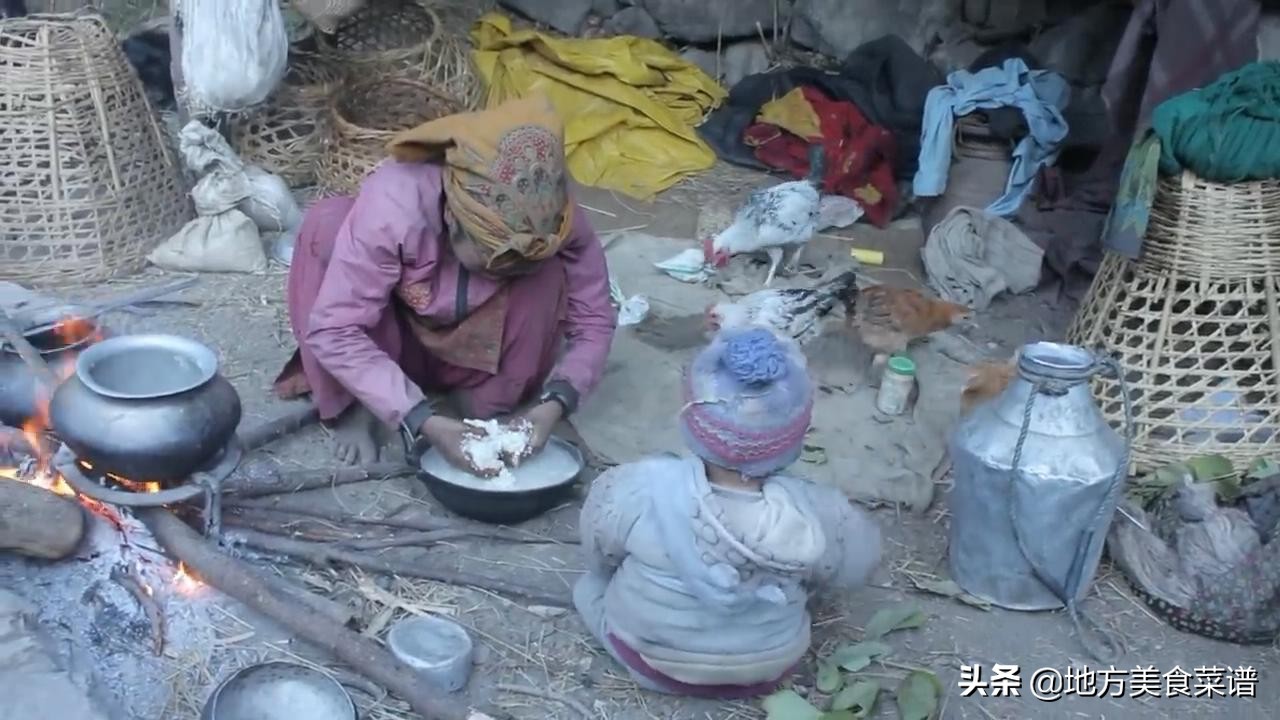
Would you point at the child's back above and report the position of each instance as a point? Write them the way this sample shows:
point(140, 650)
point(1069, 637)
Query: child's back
point(701, 588)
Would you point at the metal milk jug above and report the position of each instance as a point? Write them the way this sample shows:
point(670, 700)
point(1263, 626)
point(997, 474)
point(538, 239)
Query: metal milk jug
point(1038, 472)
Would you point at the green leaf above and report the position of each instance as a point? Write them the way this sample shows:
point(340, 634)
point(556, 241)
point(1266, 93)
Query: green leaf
point(1207, 468)
point(949, 588)
point(859, 699)
point(829, 677)
point(898, 617)
point(858, 655)
point(788, 705)
point(918, 696)
point(838, 715)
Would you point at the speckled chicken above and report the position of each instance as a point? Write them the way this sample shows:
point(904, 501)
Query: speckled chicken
point(782, 216)
point(791, 312)
point(887, 319)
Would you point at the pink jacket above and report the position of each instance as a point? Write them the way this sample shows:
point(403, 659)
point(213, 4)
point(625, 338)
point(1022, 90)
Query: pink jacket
point(394, 235)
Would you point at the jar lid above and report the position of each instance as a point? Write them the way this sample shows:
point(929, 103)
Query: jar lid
point(901, 365)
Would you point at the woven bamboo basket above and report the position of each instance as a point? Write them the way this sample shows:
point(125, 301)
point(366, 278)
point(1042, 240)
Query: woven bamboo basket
point(286, 135)
point(1199, 344)
point(88, 186)
point(363, 116)
point(401, 38)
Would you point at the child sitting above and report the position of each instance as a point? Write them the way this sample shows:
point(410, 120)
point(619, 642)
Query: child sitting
point(699, 568)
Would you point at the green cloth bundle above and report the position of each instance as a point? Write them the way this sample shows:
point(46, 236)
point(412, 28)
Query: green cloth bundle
point(1227, 131)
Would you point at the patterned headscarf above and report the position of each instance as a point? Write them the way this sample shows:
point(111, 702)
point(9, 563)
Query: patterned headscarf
point(505, 178)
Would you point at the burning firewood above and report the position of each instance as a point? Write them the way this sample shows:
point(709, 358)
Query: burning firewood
point(37, 523)
point(234, 578)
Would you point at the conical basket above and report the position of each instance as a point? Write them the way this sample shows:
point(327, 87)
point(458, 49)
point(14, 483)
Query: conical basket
point(405, 38)
point(1195, 324)
point(88, 186)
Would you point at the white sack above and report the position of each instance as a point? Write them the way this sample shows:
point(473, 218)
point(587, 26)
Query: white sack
point(270, 202)
point(226, 242)
point(234, 52)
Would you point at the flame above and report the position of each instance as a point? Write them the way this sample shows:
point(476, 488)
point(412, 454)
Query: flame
point(131, 485)
point(186, 583)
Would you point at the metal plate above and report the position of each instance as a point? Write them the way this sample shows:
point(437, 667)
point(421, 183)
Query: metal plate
point(280, 691)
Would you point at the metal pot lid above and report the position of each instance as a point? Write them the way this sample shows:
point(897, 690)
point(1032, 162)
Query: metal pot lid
point(142, 367)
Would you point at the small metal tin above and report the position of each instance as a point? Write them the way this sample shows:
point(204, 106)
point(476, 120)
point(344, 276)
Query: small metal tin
point(438, 650)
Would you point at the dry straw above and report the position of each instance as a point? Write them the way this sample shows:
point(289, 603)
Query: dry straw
point(364, 115)
point(88, 185)
point(405, 39)
point(286, 135)
point(1195, 324)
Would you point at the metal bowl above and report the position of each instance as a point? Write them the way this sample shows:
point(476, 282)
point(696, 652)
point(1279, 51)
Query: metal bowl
point(500, 506)
point(141, 367)
point(279, 691)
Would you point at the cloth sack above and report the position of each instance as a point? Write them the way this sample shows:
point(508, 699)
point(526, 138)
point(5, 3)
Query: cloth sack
point(234, 52)
point(972, 256)
point(221, 238)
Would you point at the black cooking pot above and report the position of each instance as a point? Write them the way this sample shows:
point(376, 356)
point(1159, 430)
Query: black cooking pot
point(150, 408)
point(502, 507)
point(59, 347)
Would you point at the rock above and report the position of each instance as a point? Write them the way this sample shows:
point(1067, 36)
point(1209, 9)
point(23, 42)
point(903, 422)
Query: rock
point(563, 15)
point(838, 27)
point(705, 59)
point(605, 8)
point(706, 20)
point(633, 21)
point(743, 59)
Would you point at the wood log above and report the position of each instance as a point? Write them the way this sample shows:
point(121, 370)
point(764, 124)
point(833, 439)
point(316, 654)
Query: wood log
point(258, 482)
point(455, 527)
point(331, 609)
point(275, 429)
point(37, 523)
point(323, 555)
point(364, 655)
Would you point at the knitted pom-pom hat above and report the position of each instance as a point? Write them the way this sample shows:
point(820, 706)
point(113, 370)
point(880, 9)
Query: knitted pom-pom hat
point(748, 401)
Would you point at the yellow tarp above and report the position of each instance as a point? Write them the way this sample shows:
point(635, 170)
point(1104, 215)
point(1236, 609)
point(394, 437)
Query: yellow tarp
point(629, 104)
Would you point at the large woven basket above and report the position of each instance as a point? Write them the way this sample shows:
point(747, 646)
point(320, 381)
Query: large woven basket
point(363, 116)
point(1195, 324)
point(405, 38)
point(88, 186)
point(286, 135)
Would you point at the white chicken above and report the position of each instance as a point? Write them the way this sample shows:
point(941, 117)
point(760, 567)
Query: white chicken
point(772, 219)
point(791, 312)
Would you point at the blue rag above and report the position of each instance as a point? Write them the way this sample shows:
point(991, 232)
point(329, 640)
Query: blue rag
point(1041, 95)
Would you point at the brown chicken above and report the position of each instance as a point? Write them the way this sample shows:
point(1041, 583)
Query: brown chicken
point(887, 319)
point(987, 380)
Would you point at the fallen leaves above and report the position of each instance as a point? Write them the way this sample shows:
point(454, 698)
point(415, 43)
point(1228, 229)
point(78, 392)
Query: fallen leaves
point(853, 697)
point(899, 617)
point(949, 589)
point(918, 696)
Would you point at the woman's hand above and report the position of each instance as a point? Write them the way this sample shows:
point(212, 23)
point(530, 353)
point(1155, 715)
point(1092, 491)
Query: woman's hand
point(542, 419)
point(446, 435)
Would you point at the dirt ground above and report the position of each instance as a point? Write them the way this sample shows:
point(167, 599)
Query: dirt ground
point(244, 319)
point(886, 464)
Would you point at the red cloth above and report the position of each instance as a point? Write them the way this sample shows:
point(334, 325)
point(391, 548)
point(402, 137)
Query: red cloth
point(860, 156)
